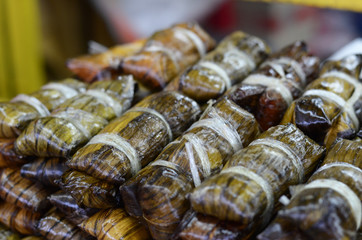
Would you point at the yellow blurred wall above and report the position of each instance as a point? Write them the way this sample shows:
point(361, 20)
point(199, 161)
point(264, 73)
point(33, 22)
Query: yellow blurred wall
point(21, 66)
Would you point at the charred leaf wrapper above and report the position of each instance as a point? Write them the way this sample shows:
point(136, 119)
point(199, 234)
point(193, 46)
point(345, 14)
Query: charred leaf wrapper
point(235, 57)
point(21, 110)
point(246, 191)
point(329, 205)
point(331, 107)
point(8, 156)
point(76, 120)
point(126, 145)
point(166, 53)
point(158, 194)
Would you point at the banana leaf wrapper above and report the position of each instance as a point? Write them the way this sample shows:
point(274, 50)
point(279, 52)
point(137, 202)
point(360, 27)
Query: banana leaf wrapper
point(332, 104)
point(54, 226)
point(75, 121)
point(159, 192)
point(66, 204)
point(22, 192)
point(44, 170)
point(7, 234)
point(166, 53)
point(255, 177)
point(20, 111)
point(268, 92)
point(325, 211)
point(234, 58)
point(89, 67)
point(18, 219)
point(114, 223)
point(144, 130)
point(8, 156)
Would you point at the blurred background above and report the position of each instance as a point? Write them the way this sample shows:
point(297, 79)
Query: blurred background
point(38, 36)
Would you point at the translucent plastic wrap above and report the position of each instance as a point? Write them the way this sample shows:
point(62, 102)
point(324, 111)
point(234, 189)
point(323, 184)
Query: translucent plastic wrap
point(254, 178)
point(8, 156)
point(66, 204)
point(44, 170)
point(234, 58)
point(331, 107)
point(76, 120)
point(329, 205)
point(126, 145)
point(282, 78)
point(22, 192)
point(166, 53)
point(54, 226)
point(90, 67)
point(114, 223)
point(21, 110)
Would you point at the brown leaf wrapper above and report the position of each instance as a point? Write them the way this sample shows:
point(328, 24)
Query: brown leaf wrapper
point(66, 204)
point(32, 238)
point(331, 107)
point(114, 223)
point(75, 121)
point(324, 211)
point(255, 177)
point(22, 192)
point(7, 234)
point(282, 78)
point(89, 67)
point(8, 156)
point(125, 145)
point(166, 53)
point(54, 226)
point(45, 171)
point(18, 219)
point(159, 191)
point(235, 57)
point(20, 111)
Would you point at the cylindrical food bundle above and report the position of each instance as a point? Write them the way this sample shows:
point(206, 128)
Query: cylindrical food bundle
point(268, 93)
point(76, 120)
point(331, 107)
point(234, 58)
point(44, 170)
point(54, 226)
point(329, 206)
point(166, 53)
point(22, 192)
point(8, 156)
point(21, 110)
point(89, 67)
point(158, 193)
point(66, 204)
point(114, 223)
point(252, 180)
point(126, 145)
point(18, 219)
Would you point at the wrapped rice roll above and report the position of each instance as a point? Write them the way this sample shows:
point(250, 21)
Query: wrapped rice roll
point(89, 67)
point(126, 145)
point(45, 171)
point(331, 107)
point(22, 192)
point(8, 156)
point(158, 192)
point(254, 178)
point(21, 110)
point(166, 53)
point(18, 219)
point(54, 226)
point(75, 121)
point(282, 78)
point(329, 206)
point(234, 58)
point(114, 223)
point(66, 204)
